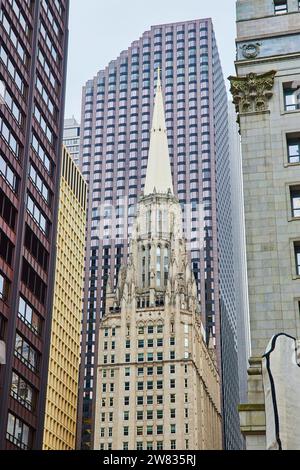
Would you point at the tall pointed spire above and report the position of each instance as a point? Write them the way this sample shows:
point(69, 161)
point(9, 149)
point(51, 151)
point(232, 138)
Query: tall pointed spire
point(159, 176)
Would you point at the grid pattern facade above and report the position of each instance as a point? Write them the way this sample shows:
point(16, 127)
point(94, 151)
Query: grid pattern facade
point(62, 385)
point(116, 109)
point(71, 138)
point(32, 71)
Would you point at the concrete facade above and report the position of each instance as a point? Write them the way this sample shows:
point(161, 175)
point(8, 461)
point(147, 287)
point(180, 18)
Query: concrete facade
point(266, 94)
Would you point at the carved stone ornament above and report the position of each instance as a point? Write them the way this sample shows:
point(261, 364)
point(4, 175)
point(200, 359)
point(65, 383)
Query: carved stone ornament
point(250, 51)
point(252, 92)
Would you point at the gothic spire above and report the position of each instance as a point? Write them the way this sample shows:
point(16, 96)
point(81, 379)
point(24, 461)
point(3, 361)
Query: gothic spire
point(158, 175)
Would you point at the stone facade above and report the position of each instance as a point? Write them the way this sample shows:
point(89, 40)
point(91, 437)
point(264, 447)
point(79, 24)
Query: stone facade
point(266, 97)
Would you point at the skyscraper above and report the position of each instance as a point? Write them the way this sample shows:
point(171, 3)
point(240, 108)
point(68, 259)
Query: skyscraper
point(71, 138)
point(266, 94)
point(115, 127)
point(157, 381)
point(64, 358)
point(33, 53)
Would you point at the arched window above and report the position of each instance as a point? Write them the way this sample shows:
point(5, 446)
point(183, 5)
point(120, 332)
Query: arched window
point(166, 265)
point(148, 221)
point(158, 266)
point(143, 267)
point(159, 221)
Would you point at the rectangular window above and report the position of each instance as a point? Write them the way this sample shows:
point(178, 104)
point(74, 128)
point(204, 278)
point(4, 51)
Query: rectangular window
point(140, 401)
point(159, 370)
point(173, 428)
point(173, 445)
point(140, 386)
point(295, 201)
point(139, 431)
point(172, 398)
point(149, 414)
point(139, 446)
point(125, 431)
point(293, 146)
point(280, 7)
point(291, 97)
point(8, 174)
point(149, 400)
point(22, 392)
point(37, 215)
point(297, 257)
point(126, 401)
point(26, 353)
point(160, 445)
point(149, 430)
point(18, 432)
point(127, 386)
point(160, 399)
point(28, 315)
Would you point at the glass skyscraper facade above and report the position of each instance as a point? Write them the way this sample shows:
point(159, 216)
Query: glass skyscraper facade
point(115, 130)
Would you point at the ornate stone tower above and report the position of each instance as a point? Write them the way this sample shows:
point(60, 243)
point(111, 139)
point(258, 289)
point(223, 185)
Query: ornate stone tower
point(266, 93)
point(158, 385)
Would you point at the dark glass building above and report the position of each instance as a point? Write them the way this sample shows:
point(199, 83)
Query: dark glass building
point(115, 129)
point(33, 49)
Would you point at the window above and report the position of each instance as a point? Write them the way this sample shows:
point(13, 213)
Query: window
point(26, 353)
point(172, 369)
point(150, 356)
point(139, 431)
point(159, 429)
point(297, 257)
point(125, 445)
point(127, 344)
point(159, 385)
point(160, 343)
point(127, 386)
point(110, 432)
point(127, 357)
point(8, 174)
point(149, 414)
point(140, 343)
point(160, 328)
point(141, 330)
point(172, 398)
point(126, 401)
point(139, 446)
point(37, 215)
point(159, 356)
point(140, 401)
point(149, 400)
point(125, 430)
point(159, 370)
point(18, 432)
point(173, 428)
point(150, 385)
point(140, 357)
point(172, 354)
point(160, 399)
point(149, 445)
point(280, 7)
point(140, 371)
point(186, 428)
point(293, 145)
point(173, 413)
point(22, 392)
point(149, 430)
point(139, 415)
point(160, 445)
point(140, 386)
point(112, 388)
point(102, 432)
point(111, 416)
point(4, 288)
point(173, 445)
point(291, 97)
point(186, 412)
point(172, 341)
point(150, 330)
point(150, 343)
point(149, 370)
point(127, 371)
point(295, 201)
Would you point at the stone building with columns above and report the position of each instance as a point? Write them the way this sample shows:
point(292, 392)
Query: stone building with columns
point(157, 381)
point(266, 93)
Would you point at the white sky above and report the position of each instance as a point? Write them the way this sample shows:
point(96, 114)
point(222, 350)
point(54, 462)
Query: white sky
point(101, 29)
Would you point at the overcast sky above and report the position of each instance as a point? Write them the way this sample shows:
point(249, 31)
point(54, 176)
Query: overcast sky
point(101, 29)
